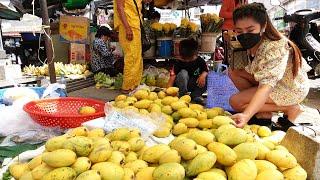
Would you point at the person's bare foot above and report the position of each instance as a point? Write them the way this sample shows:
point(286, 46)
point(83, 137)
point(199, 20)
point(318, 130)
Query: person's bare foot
point(293, 112)
point(264, 115)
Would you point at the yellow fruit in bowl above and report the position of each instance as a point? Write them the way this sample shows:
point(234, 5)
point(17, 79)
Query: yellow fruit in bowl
point(85, 110)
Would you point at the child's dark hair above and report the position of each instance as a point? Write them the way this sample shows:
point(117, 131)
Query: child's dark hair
point(103, 31)
point(258, 13)
point(155, 15)
point(188, 48)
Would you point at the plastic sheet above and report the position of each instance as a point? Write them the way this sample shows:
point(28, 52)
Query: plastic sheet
point(127, 118)
point(13, 94)
point(33, 136)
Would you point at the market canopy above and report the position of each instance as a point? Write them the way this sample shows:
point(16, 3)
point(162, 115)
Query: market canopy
point(167, 4)
point(6, 13)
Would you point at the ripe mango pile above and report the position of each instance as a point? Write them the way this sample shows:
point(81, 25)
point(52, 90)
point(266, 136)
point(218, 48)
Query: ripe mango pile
point(181, 115)
point(207, 146)
point(226, 153)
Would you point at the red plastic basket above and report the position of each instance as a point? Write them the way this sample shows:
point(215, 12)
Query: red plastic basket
point(63, 112)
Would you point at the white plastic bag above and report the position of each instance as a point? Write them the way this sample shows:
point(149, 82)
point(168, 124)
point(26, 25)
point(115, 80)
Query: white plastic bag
point(14, 119)
point(13, 94)
point(51, 90)
point(121, 118)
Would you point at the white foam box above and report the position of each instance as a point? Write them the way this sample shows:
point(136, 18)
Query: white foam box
point(8, 72)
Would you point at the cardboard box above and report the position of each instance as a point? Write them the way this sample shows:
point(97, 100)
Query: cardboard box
point(74, 29)
point(77, 53)
point(8, 72)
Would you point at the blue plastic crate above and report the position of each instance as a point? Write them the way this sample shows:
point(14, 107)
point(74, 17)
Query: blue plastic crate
point(220, 89)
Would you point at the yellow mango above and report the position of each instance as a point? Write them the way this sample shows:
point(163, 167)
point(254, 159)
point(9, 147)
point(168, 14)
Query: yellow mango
point(145, 173)
point(170, 156)
point(282, 159)
point(120, 97)
point(82, 146)
point(225, 155)
point(35, 162)
point(136, 144)
point(190, 122)
point(132, 156)
point(40, 171)
point(136, 165)
point(244, 169)
point(109, 171)
point(89, 175)
point(202, 138)
point(201, 163)
point(117, 157)
point(63, 173)
point(100, 154)
point(246, 151)
point(263, 165)
point(296, 173)
point(79, 131)
point(81, 165)
point(153, 154)
point(265, 175)
point(179, 128)
point(59, 158)
point(169, 171)
point(143, 104)
point(17, 170)
point(264, 131)
point(96, 133)
point(196, 107)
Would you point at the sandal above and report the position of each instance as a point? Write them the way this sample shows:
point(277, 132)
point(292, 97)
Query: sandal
point(260, 122)
point(125, 91)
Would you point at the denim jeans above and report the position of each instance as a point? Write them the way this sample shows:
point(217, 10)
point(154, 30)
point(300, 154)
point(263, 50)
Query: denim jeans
point(187, 83)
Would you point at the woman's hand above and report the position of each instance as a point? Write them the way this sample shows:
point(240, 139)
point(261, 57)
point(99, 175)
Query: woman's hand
point(112, 48)
point(240, 119)
point(129, 34)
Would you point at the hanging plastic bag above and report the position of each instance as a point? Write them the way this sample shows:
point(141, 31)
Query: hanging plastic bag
point(163, 78)
point(151, 75)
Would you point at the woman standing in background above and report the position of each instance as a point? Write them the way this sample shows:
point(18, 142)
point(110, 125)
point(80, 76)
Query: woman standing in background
point(127, 21)
point(226, 11)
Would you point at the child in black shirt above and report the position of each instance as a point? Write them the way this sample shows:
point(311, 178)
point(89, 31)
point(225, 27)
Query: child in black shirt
point(189, 74)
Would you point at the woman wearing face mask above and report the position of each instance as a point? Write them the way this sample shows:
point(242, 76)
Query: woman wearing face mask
point(276, 77)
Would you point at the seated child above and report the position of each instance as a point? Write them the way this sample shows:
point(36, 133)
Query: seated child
point(190, 72)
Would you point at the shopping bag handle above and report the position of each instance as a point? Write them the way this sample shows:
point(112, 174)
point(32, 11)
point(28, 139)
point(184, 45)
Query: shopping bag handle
point(220, 70)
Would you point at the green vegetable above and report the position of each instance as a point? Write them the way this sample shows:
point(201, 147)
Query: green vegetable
point(118, 81)
point(6, 175)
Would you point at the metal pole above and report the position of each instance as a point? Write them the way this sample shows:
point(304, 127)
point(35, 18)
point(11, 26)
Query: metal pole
point(48, 43)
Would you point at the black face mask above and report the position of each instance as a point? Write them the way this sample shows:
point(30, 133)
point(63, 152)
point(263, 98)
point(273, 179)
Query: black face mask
point(249, 40)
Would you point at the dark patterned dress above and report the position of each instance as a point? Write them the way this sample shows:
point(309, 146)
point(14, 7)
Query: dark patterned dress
point(102, 57)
